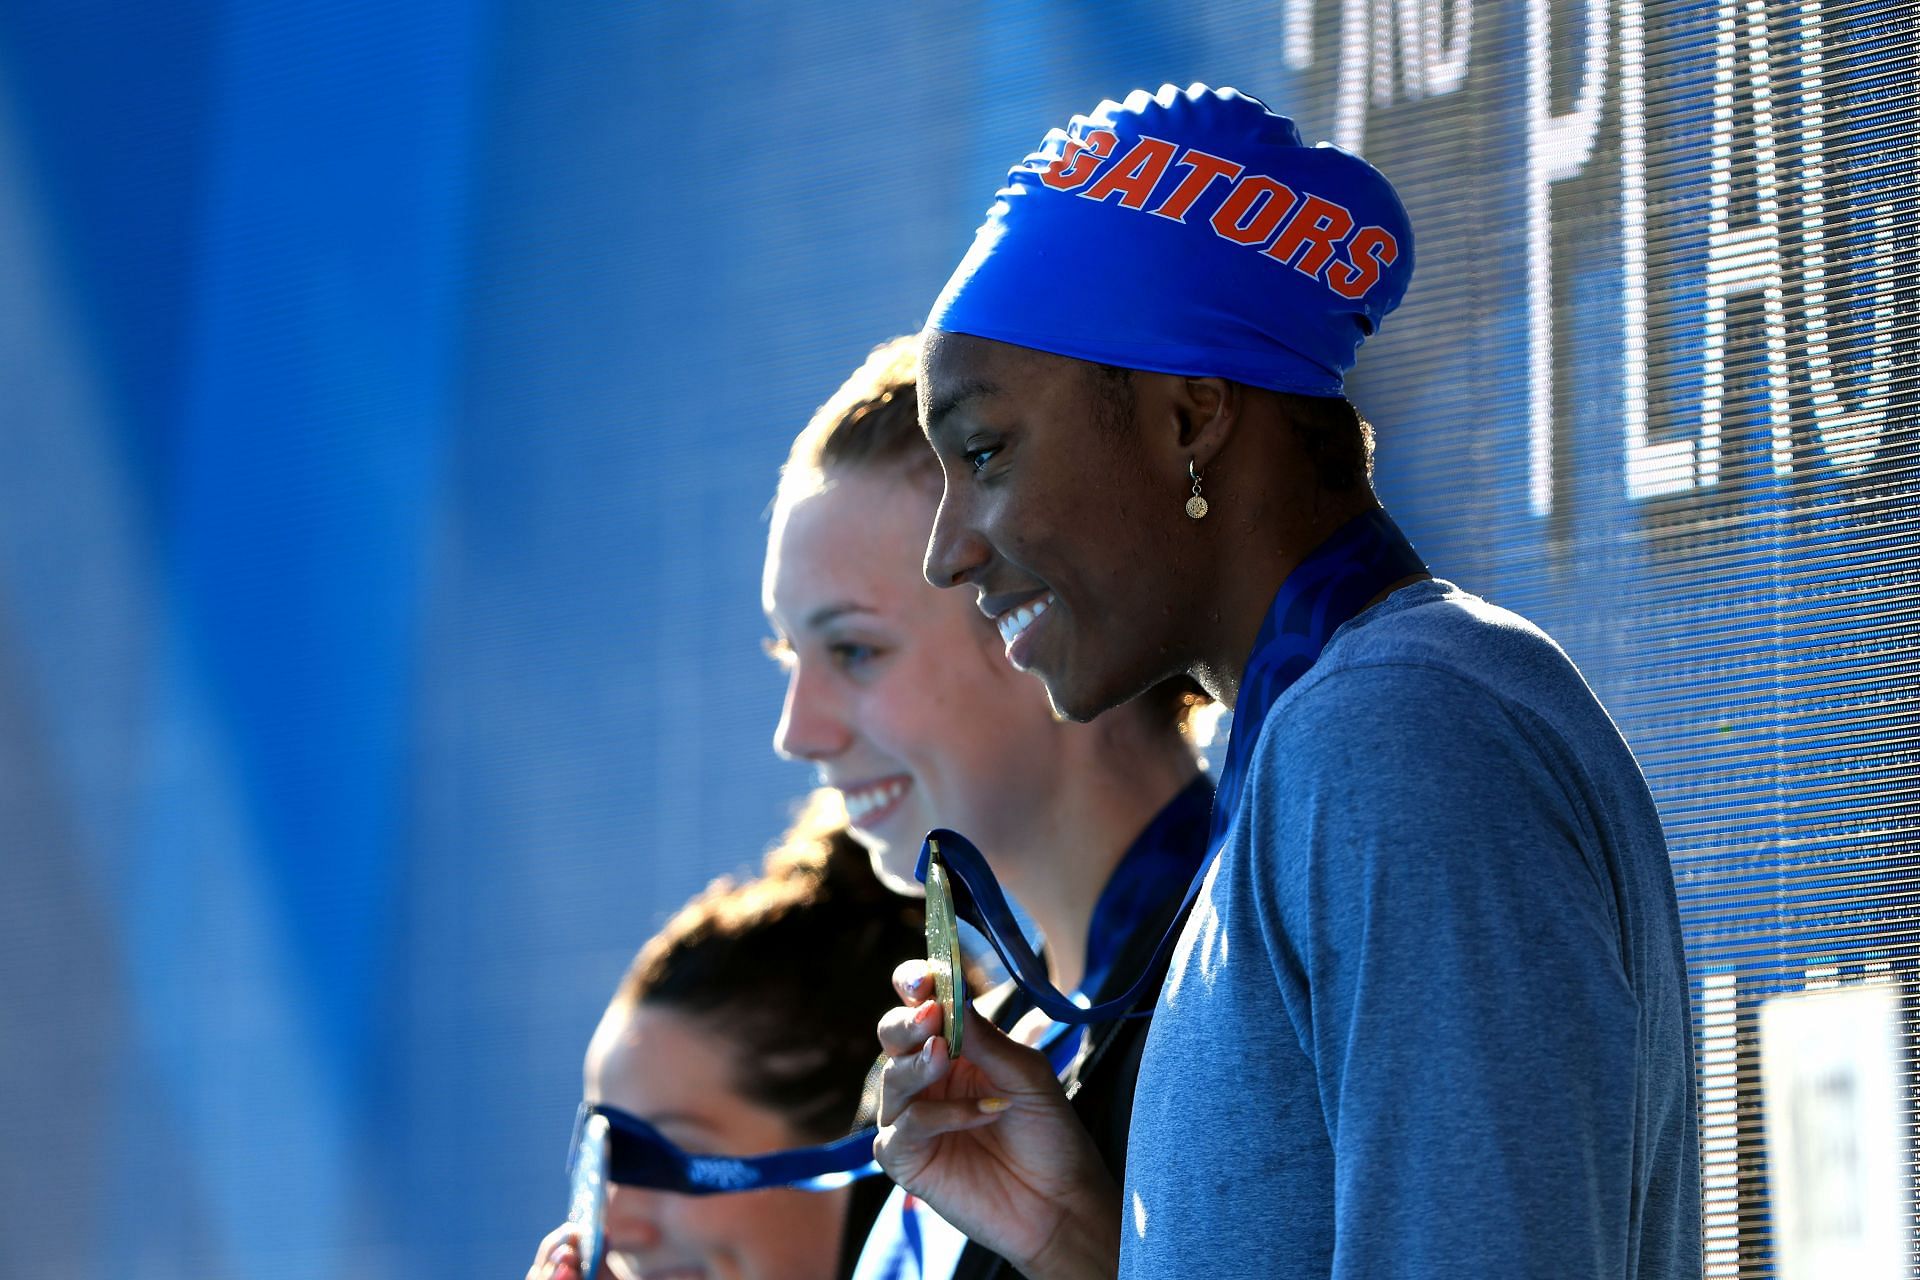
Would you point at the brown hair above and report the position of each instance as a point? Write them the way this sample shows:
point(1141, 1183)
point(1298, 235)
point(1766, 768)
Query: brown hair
point(872, 421)
point(794, 967)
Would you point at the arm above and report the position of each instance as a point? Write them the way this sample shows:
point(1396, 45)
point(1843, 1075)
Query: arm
point(1451, 964)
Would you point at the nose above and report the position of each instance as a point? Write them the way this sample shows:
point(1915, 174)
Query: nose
point(633, 1219)
point(956, 553)
point(811, 727)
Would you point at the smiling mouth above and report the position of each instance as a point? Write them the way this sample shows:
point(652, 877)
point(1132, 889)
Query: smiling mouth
point(874, 799)
point(1018, 619)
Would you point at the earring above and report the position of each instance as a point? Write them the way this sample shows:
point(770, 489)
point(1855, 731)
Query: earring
point(1196, 505)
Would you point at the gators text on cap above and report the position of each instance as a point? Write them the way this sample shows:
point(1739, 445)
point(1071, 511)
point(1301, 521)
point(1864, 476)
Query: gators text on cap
point(1189, 232)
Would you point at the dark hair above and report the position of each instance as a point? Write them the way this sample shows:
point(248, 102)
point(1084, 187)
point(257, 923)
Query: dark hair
point(793, 967)
point(1335, 438)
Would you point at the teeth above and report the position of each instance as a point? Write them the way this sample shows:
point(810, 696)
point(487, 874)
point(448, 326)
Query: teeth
point(1014, 621)
point(864, 801)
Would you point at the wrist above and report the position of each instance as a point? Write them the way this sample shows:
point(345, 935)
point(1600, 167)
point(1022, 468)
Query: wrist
point(1085, 1243)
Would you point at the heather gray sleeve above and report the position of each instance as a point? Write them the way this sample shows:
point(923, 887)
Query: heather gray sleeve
point(1447, 951)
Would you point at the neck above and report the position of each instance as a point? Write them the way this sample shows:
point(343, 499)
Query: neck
point(1255, 570)
point(1117, 777)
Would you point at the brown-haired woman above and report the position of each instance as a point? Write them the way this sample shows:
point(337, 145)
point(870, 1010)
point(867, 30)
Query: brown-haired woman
point(906, 700)
point(745, 1026)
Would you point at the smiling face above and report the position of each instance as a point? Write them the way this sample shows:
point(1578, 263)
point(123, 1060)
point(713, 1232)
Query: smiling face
point(1064, 497)
point(901, 695)
point(672, 1070)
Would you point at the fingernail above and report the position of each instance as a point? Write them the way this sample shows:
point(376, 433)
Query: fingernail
point(991, 1105)
point(926, 1051)
point(925, 1012)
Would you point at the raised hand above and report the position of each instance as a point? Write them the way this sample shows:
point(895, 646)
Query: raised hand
point(558, 1257)
point(990, 1142)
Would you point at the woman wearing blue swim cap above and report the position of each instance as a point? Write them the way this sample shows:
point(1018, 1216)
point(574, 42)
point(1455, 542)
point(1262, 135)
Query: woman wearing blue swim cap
point(1429, 1013)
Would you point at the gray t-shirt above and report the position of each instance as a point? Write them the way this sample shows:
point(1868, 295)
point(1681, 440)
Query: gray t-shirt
point(1429, 1016)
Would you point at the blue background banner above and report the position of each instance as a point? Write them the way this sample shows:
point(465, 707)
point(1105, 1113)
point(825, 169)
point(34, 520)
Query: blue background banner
point(390, 401)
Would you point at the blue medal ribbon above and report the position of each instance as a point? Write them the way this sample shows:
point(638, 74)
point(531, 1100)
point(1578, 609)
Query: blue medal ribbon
point(639, 1155)
point(1329, 588)
point(1160, 863)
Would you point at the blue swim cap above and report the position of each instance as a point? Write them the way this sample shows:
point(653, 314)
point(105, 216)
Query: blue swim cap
point(1188, 232)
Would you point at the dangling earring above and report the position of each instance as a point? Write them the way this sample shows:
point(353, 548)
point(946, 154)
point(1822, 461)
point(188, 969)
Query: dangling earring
point(1196, 505)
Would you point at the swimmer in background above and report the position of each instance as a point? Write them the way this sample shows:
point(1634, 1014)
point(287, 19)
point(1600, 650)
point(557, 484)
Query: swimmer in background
point(745, 1027)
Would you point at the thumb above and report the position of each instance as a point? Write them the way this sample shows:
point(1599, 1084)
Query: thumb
point(1007, 1064)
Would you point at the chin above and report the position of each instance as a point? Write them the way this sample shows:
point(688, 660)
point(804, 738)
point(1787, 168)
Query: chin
point(1071, 711)
point(1081, 695)
point(1073, 700)
point(893, 863)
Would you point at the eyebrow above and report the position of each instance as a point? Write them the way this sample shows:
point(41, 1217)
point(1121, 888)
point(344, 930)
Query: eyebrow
point(954, 399)
point(685, 1121)
point(833, 612)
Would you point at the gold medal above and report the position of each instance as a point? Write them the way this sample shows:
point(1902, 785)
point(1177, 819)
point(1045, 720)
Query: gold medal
point(587, 1198)
point(943, 953)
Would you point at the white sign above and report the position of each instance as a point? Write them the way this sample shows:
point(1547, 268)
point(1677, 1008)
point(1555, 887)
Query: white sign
point(1837, 1125)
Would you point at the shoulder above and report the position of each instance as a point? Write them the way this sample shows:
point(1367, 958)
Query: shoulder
point(1434, 672)
point(1437, 625)
point(1431, 734)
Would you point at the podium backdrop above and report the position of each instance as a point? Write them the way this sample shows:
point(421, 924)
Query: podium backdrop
point(390, 400)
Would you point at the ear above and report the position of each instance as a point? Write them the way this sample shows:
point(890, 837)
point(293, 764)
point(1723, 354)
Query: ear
point(1203, 413)
point(1184, 419)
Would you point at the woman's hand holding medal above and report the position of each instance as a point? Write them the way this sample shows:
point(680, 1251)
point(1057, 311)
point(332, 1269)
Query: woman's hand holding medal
point(558, 1257)
point(989, 1141)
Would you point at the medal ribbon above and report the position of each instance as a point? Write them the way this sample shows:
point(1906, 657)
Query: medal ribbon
point(639, 1155)
point(1148, 880)
point(1329, 588)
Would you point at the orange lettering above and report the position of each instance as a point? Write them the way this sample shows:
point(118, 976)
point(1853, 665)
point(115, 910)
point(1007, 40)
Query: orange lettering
point(1136, 173)
point(1316, 227)
point(1203, 168)
point(1257, 197)
point(1077, 163)
point(1371, 250)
